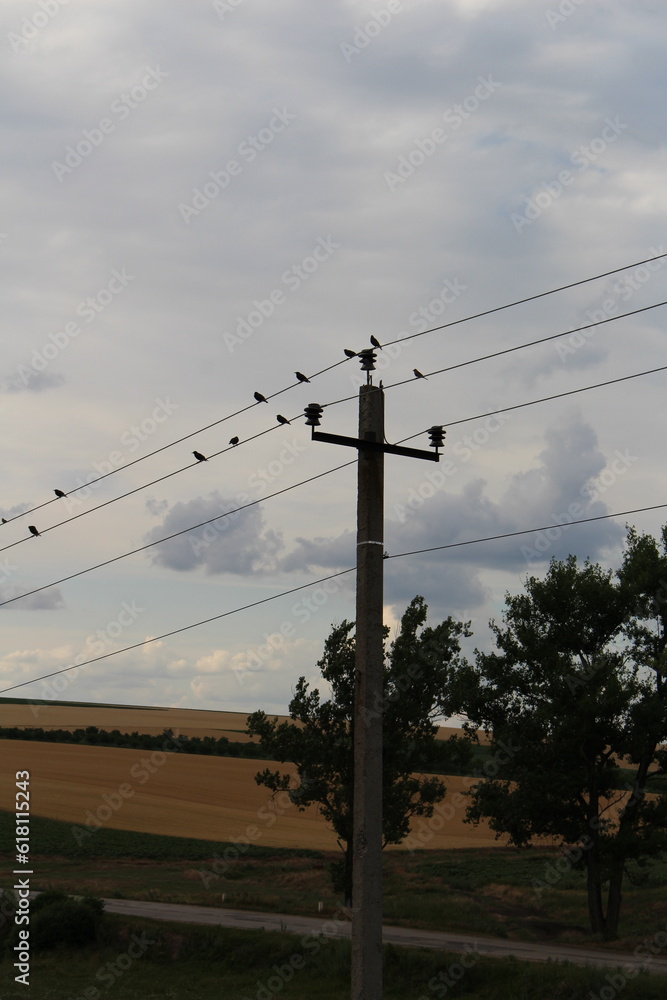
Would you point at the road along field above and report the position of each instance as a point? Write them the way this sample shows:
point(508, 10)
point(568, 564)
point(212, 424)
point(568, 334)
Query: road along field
point(212, 798)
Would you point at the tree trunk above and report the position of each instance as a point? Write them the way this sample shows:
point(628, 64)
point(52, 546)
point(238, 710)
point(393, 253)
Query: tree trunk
point(614, 902)
point(594, 889)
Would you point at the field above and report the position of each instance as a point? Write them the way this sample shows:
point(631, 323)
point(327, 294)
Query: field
point(185, 721)
point(212, 798)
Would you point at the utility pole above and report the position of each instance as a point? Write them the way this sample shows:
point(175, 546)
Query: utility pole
point(369, 675)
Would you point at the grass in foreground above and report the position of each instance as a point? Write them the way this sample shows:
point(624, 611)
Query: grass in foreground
point(160, 961)
point(520, 895)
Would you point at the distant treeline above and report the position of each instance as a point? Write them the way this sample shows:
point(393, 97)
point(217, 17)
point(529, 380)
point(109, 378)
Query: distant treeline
point(452, 756)
point(167, 740)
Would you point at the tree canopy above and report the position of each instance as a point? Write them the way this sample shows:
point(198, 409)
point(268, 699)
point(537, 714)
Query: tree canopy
point(577, 687)
point(319, 739)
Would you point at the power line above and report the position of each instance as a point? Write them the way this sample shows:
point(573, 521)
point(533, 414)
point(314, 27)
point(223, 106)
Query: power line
point(183, 531)
point(322, 371)
point(530, 298)
point(145, 486)
point(176, 631)
point(527, 531)
point(303, 482)
point(313, 583)
point(507, 350)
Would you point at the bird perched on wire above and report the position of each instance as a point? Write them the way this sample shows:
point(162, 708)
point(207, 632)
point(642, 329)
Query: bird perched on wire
point(301, 377)
point(282, 420)
point(4, 520)
point(418, 374)
point(348, 353)
point(376, 343)
point(33, 530)
point(234, 441)
point(59, 493)
point(200, 458)
point(260, 399)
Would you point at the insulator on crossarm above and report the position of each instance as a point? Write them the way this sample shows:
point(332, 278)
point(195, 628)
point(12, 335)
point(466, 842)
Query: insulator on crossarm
point(313, 413)
point(437, 436)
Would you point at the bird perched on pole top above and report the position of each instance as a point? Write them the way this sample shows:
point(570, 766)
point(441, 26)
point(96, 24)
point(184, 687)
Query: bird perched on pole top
point(376, 343)
point(234, 441)
point(260, 399)
point(200, 458)
point(33, 530)
point(59, 493)
point(418, 374)
point(282, 420)
point(301, 377)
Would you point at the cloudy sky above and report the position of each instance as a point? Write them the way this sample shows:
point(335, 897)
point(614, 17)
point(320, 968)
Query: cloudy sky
point(201, 199)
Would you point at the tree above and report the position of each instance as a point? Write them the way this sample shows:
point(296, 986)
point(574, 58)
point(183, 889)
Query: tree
point(319, 739)
point(576, 691)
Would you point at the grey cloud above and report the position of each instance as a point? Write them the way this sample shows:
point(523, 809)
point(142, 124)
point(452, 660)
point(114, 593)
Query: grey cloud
point(237, 544)
point(48, 600)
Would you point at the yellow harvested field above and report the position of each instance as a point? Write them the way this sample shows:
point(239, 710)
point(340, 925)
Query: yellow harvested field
point(212, 798)
point(128, 719)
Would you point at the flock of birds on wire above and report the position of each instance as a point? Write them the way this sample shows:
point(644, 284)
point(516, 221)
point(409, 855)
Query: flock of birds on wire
point(235, 440)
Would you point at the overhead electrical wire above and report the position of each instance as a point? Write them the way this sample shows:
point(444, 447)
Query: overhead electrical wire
point(322, 371)
point(313, 583)
point(343, 399)
point(519, 302)
point(218, 517)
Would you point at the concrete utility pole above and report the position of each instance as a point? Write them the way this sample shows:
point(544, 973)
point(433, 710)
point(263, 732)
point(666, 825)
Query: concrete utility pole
point(369, 675)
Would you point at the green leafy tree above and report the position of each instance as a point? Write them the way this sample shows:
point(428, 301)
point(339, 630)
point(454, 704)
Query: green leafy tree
point(574, 700)
point(319, 739)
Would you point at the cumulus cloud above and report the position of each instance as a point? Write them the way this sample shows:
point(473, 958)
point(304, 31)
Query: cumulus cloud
point(239, 543)
point(47, 600)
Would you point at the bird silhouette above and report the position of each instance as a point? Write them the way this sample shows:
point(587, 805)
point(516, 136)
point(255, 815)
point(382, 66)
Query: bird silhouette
point(32, 529)
point(200, 458)
point(376, 343)
point(4, 520)
point(418, 374)
point(260, 399)
point(348, 353)
point(234, 441)
point(282, 420)
point(301, 377)
point(59, 493)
